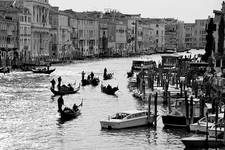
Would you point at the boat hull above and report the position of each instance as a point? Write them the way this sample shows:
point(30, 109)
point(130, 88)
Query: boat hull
point(64, 92)
point(201, 142)
point(177, 121)
point(121, 124)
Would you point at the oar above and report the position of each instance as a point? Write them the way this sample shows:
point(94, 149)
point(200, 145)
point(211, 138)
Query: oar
point(81, 104)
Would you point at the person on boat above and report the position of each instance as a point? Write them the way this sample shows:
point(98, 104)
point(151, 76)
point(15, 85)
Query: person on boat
point(88, 77)
point(83, 75)
point(70, 87)
point(105, 72)
point(92, 75)
point(59, 82)
point(53, 83)
point(109, 87)
point(75, 107)
point(48, 67)
point(60, 103)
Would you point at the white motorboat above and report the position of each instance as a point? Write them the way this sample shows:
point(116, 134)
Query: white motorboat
point(219, 130)
point(200, 126)
point(127, 119)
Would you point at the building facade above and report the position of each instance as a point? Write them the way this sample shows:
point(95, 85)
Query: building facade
point(189, 35)
point(40, 28)
point(200, 33)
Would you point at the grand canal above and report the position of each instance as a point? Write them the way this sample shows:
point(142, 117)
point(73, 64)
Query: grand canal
point(29, 118)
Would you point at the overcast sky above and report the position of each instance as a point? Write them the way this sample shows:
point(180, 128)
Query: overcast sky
point(186, 10)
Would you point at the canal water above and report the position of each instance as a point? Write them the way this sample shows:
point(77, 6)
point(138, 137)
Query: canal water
point(29, 117)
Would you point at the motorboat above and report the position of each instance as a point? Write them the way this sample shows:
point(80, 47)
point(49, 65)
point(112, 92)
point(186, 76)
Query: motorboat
point(178, 118)
point(127, 119)
point(216, 131)
point(200, 126)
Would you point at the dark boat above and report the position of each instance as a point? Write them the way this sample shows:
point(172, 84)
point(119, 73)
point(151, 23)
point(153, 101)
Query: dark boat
point(178, 118)
point(129, 74)
point(95, 81)
point(27, 67)
point(65, 91)
point(4, 70)
point(43, 71)
point(85, 82)
point(109, 90)
point(202, 142)
point(68, 113)
point(107, 76)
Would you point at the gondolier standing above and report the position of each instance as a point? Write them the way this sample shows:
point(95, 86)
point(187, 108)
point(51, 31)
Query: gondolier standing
point(59, 83)
point(53, 83)
point(60, 103)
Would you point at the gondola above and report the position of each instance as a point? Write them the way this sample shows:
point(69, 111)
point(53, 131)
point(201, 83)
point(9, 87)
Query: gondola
point(95, 81)
point(85, 82)
point(4, 70)
point(109, 90)
point(64, 92)
point(43, 71)
point(108, 76)
point(68, 113)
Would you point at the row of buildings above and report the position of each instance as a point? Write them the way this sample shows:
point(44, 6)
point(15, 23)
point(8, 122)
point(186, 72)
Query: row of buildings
point(33, 30)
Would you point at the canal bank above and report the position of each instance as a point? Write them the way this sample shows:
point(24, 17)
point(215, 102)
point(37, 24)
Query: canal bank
point(30, 118)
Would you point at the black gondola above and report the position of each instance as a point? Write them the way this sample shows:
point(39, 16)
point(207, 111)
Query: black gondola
point(64, 92)
point(95, 81)
point(43, 71)
point(109, 90)
point(68, 113)
point(85, 82)
point(4, 70)
point(108, 76)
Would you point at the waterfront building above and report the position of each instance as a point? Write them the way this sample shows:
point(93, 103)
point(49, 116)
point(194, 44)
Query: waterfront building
point(9, 34)
point(200, 33)
point(171, 41)
point(24, 35)
point(189, 35)
point(103, 37)
point(120, 39)
point(148, 39)
point(158, 26)
point(87, 36)
point(40, 28)
point(219, 56)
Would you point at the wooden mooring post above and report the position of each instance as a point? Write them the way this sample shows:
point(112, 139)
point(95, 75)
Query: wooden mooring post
point(156, 97)
point(149, 108)
point(186, 108)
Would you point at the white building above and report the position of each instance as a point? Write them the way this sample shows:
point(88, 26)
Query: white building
point(40, 36)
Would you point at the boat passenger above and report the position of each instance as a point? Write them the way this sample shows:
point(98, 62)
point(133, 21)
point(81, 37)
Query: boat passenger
point(88, 77)
point(53, 83)
point(92, 75)
point(70, 87)
point(60, 103)
point(109, 87)
point(59, 82)
point(83, 75)
point(75, 107)
point(105, 72)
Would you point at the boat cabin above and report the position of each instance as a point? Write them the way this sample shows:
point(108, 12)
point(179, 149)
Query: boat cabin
point(129, 115)
point(170, 61)
point(145, 64)
point(180, 106)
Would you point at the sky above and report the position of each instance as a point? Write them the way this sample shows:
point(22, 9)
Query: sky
point(185, 10)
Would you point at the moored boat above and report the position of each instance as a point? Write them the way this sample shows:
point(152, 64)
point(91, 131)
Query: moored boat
point(178, 117)
point(200, 126)
point(202, 142)
point(128, 119)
